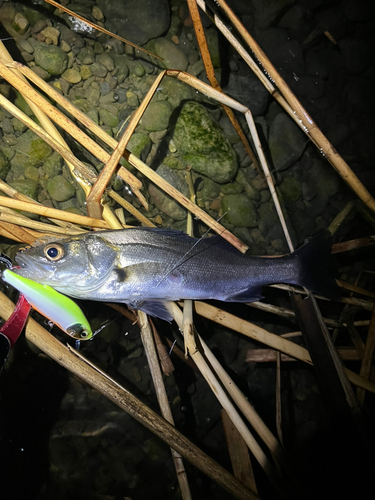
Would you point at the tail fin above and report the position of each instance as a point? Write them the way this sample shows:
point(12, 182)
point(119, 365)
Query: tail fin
point(314, 264)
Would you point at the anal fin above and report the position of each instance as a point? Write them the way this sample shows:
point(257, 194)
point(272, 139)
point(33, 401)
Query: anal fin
point(155, 308)
point(248, 295)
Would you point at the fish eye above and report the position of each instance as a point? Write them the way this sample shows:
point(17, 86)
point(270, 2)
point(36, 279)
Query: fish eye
point(54, 251)
point(84, 334)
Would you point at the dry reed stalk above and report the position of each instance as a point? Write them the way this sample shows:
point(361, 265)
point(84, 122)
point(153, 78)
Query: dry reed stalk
point(341, 217)
point(368, 356)
point(207, 90)
point(93, 199)
point(309, 126)
point(365, 304)
point(267, 173)
point(121, 216)
point(239, 453)
point(78, 170)
point(346, 246)
point(50, 128)
point(129, 178)
point(259, 334)
point(39, 226)
point(52, 212)
point(270, 355)
point(101, 29)
point(205, 53)
point(161, 394)
point(279, 421)
point(125, 312)
point(209, 376)
point(57, 146)
point(355, 289)
point(164, 359)
point(286, 313)
point(130, 208)
point(16, 233)
point(92, 375)
point(184, 322)
point(103, 156)
point(184, 201)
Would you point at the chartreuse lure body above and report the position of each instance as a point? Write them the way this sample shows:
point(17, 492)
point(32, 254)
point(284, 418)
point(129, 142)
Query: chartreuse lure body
point(58, 308)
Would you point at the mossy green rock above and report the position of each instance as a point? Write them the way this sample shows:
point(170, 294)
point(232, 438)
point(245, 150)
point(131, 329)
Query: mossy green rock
point(28, 187)
point(52, 165)
point(290, 190)
point(60, 188)
point(4, 166)
point(241, 210)
point(203, 145)
point(173, 57)
point(31, 151)
point(140, 146)
point(156, 116)
point(108, 118)
point(51, 58)
point(231, 188)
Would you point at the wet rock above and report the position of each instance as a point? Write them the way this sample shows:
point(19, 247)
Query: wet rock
point(173, 57)
point(203, 145)
point(267, 11)
point(208, 191)
point(32, 173)
point(286, 142)
point(241, 210)
point(72, 76)
point(326, 183)
point(60, 188)
point(26, 46)
point(133, 101)
point(268, 214)
point(108, 118)
point(98, 70)
point(231, 188)
point(51, 58)
point(28, 187)
point(356, 55)
point(106, 60)
point(86, 56)
point(140, 20)
point(4, 165)
point(176, 91)
point(290, 190)
point(140, 145)
point(249, 91)
point(52, 35)
point(163, 201)
point(156, 116)
point(245, 181)
point(31, 151)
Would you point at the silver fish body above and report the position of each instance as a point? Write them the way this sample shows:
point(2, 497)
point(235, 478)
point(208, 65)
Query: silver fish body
point(144, 267)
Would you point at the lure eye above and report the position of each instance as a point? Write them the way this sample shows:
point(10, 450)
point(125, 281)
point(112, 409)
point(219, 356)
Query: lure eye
point(54, 251)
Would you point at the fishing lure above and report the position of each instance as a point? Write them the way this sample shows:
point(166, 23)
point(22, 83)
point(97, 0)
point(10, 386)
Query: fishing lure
point(60, 309)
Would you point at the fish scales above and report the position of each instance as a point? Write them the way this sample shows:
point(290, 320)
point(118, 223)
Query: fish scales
point(145, 266)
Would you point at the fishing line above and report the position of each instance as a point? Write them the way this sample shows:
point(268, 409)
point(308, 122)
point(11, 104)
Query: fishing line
point(183, 259)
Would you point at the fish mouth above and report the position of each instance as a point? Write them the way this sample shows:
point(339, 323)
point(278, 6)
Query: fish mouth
point(28, 268)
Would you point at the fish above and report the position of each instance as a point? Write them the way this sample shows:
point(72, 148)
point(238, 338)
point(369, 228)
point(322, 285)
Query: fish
point(145, 267)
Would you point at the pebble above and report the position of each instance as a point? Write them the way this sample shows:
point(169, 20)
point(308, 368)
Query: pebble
point(52, 35)
point(72, 76)
point(60, 189)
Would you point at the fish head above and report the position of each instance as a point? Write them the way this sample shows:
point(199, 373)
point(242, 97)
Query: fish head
point(74, 265)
